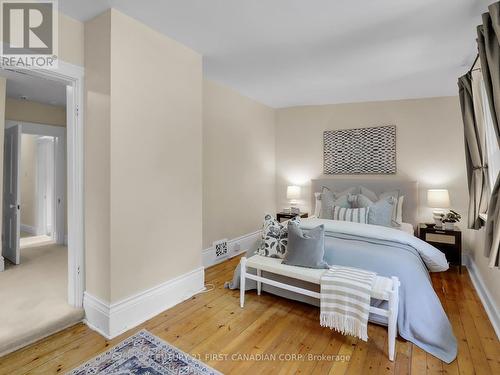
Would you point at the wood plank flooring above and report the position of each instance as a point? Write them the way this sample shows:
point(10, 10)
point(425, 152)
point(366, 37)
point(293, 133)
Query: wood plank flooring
point(273, 335)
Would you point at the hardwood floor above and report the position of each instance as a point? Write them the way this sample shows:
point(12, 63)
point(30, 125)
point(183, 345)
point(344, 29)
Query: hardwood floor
point(285, 335)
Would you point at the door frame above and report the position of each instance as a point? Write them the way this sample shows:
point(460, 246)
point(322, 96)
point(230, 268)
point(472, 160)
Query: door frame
point(72, 76)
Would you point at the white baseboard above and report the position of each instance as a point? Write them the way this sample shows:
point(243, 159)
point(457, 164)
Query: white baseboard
point(29, 229)
point(2, 263)
point(110, 320)
point(484, 295)
point(235, 246)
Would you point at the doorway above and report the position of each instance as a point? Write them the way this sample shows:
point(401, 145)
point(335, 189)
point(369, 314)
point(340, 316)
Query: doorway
point(34, 187)
point(71, 76)
point(42, 184)
point(50, 277)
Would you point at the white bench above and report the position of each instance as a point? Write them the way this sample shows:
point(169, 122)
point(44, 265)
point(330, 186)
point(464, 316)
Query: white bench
point(384, 288)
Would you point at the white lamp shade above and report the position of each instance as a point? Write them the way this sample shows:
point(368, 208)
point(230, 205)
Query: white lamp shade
point(293, 192)
point(438, 198)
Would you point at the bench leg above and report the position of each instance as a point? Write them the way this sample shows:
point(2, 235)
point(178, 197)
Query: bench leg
point(243, 274)
point(259, 284)
point(393, 317)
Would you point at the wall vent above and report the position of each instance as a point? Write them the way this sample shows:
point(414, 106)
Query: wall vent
point(221, 248)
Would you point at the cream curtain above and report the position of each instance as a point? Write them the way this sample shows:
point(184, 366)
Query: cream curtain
point(491, 151)
point(489, 54)
point(474, 154)
point(493, 227)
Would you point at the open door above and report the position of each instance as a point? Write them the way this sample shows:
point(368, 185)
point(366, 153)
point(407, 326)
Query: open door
point(11, 205)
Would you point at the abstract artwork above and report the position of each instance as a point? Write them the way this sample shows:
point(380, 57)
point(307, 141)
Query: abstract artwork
point(360, 151)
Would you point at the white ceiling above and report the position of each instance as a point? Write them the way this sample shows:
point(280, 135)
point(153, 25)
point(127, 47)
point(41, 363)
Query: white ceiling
point(294, 52)
point(35, 89)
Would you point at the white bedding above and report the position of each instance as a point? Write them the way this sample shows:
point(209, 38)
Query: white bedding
point(408, 228)
point(405, 227)
point(434, 259)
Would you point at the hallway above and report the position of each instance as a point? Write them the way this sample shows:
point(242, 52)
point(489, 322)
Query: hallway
point(34, 297)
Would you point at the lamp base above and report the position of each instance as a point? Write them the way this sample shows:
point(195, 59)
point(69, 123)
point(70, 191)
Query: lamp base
point(436, 215)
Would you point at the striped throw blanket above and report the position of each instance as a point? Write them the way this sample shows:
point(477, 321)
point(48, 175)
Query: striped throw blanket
point(345, 300)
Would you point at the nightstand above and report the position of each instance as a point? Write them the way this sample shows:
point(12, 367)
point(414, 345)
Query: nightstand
point(448, 241)
point(287, 215)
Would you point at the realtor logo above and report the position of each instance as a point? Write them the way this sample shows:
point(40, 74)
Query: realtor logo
point(29, 33)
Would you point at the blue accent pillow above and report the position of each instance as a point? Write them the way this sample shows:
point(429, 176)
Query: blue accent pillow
point(305, 248)
point(381, 211)
point(368, 193)
point(330, 199)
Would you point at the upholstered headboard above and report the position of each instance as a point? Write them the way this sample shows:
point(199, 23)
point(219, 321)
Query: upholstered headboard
point(378, 185)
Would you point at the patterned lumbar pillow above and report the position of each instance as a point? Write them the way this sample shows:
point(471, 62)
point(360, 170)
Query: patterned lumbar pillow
point(357, 215)
point(275, 237)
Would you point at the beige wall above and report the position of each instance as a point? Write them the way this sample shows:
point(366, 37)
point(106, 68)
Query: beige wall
point(28, 179)
point(29, 111)
point(97, 156)
point(490, 276)
point(71, 40)
point(156, 167)
point(430, 146)
point(238, 163)
point(143, 163)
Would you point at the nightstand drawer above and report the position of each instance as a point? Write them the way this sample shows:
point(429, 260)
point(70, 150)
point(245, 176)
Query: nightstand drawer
point(447, 241)
point(440, 238)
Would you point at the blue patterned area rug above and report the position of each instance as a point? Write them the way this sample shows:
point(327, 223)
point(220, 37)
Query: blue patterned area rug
point(143, 354)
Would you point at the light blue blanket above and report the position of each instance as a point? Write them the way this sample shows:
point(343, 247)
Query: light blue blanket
point(421, 318)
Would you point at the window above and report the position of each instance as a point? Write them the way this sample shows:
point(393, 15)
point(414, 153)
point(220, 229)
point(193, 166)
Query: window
point(492, 148)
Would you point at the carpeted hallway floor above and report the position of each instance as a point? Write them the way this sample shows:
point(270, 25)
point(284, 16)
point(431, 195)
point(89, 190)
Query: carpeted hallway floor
point(33, 297)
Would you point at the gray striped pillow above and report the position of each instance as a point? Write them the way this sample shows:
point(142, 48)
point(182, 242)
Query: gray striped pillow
point(357, 215)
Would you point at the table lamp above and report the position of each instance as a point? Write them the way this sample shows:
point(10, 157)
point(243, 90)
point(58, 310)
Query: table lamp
point(293, 194)
point(438, 199)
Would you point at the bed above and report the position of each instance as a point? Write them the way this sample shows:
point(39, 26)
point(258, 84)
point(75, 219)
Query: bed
point(408, 189)
point(388, 252)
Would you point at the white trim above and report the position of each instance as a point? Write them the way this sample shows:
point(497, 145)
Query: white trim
point(235, 246)
point(29, 229)
point(484, 294)
point(97, 314)
point(72, 76)
point(110, 320)
point(36, 128)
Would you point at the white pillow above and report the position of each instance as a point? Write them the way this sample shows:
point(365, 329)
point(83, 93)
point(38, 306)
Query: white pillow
point(399, 210)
